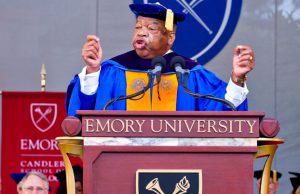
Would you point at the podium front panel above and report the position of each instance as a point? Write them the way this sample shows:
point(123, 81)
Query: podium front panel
point(112, 169)
point(118, 144)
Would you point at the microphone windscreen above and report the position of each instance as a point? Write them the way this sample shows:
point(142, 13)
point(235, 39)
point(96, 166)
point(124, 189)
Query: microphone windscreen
point(158, 60)
point(177, 60)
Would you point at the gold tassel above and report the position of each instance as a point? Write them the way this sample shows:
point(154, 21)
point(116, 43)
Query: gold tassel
point(169, 20)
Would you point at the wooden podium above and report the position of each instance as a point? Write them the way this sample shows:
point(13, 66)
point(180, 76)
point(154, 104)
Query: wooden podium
point(116, 145)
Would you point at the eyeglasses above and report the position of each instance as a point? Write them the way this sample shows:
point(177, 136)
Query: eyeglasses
point(37, 189)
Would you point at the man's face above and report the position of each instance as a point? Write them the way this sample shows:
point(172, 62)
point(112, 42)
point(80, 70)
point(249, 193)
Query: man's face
point(78, 187)
point(150, 37)
point(33, 185)
point(273, 187)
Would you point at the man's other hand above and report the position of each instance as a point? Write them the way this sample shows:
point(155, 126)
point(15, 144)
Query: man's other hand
point(92, 53)
point(242, 63)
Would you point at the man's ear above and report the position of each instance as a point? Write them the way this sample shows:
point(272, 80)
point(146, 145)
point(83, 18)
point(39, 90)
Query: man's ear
point(171, 38)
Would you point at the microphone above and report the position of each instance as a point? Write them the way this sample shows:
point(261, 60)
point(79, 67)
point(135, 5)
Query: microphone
point(158, 63)
point(177, 63)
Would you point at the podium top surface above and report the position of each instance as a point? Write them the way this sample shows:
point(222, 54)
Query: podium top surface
point(171, 113)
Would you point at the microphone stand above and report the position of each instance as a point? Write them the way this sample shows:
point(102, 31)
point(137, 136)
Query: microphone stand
point(131, 95)
point(208, 96)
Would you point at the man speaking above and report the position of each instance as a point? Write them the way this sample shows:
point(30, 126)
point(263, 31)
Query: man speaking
point(129, 73)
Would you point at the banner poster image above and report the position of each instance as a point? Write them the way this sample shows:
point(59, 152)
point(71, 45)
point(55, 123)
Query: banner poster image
point(30, 123)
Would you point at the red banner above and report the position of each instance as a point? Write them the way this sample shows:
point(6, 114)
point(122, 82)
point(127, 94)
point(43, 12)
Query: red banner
point(30, 123)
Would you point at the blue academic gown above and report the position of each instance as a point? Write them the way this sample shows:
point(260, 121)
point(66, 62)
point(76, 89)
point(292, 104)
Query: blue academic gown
point(112, 84)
